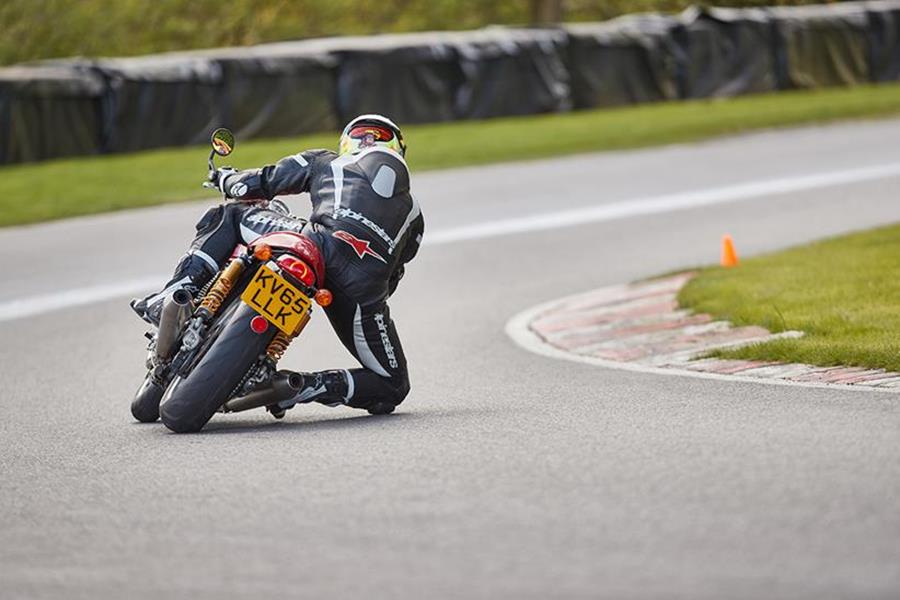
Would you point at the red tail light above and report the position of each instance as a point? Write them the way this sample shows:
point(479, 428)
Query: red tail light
point(259, 324)
point(297, 268)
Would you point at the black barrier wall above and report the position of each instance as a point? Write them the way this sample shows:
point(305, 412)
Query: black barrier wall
point(627, 60)
point(160, 101)
point(279, 90)
point(884, 40)
point(49, 112)
point(822, 46)
point(726, 52)
point(82, 107)
point(416, 75)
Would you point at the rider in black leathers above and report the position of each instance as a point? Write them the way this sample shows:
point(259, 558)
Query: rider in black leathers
point(367, 225)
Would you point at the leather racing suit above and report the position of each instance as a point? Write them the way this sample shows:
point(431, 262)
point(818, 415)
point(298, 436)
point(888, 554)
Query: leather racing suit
point(367, 225)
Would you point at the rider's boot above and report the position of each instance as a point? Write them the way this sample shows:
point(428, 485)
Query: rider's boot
point(325, 387)
point(192, 273)
point(331, 388)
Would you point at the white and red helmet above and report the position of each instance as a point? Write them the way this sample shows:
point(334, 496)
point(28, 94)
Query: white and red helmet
point(366, 131)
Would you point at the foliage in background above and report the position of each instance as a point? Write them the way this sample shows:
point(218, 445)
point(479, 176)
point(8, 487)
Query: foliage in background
point(36, 29)
point(842, 293)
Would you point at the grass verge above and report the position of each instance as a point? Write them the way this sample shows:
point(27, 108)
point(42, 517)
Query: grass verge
point(64, 188)
point(32, 28)
point(844, 293)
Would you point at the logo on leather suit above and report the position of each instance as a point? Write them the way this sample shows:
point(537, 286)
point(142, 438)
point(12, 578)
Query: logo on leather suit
point(238, 190)
point(386, 340)
point(361, 247)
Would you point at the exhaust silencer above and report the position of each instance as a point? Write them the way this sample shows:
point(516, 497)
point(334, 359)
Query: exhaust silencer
point(284, 386)
point(176, 310)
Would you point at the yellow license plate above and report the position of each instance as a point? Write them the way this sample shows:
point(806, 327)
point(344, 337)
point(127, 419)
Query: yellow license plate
point(283, 305)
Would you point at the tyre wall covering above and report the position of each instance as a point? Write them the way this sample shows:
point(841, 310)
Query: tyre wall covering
point(273, 90)
point(726, 52)
point(413, 78)
point(631, 59)
point(49, 112)
point(79, 107)
point(884, 39)
point(508, 72)
point(824, 45)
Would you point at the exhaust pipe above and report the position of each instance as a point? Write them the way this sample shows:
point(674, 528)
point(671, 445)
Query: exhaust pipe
point(176, 310)
point(284, 386)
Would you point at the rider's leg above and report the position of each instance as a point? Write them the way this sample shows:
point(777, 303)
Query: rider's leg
point(218, 232)
point(368, 332)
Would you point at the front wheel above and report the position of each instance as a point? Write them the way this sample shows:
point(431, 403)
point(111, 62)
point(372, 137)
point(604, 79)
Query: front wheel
point(191, 401)
point(145, 406)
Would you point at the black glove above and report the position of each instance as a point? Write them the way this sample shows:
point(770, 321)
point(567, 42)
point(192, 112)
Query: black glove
point(217, 177)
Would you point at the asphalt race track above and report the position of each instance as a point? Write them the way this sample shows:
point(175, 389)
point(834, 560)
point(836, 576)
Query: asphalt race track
point(505, 474)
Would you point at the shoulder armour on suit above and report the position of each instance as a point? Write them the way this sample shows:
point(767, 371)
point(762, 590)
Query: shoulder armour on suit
point(387, 173)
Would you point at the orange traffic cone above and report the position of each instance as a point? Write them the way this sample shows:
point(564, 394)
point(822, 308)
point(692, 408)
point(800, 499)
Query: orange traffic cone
point(729, 256)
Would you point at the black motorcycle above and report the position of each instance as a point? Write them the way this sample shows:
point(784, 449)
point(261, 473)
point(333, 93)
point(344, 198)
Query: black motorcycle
point(218, 350)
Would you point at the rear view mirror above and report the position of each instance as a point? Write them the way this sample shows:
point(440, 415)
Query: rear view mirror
point(222, 141)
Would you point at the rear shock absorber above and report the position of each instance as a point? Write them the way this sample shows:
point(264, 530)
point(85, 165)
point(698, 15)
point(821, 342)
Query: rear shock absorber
point(222, 287)
point(279, 344)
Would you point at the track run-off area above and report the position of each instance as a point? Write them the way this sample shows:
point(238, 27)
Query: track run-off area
point(505, 474)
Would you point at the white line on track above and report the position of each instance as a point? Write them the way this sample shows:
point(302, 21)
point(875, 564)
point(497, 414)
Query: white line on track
point(30, 306)
point(662, 204)
point(45, 303)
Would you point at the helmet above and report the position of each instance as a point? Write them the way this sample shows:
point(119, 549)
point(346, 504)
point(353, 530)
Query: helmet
point(366, 131)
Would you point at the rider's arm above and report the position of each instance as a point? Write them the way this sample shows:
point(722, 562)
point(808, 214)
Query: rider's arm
point(290, 175)
point(413, 240)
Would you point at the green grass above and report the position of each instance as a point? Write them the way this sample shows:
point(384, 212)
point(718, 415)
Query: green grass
point(34, 29)
point(64, 188)
point(843, 293)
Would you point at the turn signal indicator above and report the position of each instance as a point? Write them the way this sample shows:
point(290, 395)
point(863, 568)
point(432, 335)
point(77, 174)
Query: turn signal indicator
point(262, 252)
point(324, 297)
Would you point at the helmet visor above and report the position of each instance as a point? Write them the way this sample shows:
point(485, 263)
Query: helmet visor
point(378, 133)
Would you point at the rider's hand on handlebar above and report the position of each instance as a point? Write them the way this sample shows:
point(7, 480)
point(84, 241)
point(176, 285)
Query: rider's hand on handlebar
point(216, 178)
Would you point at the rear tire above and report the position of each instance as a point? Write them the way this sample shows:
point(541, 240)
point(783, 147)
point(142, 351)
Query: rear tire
point(145, 406)
point(191, 401)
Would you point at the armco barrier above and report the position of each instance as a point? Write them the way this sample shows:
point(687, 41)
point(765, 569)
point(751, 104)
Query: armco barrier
point(274, 90)
point(150, 101)
point(415, 75)
point(49, 112)
point(884, 39)
point(81, 107)
point(160, 101)
point(726, 52)
point(508, 72)
point(822, 45)
point(630, 59)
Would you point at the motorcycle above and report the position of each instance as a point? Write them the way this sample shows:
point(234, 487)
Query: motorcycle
point(218, 350)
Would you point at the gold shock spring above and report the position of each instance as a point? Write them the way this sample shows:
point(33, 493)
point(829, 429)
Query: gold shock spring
point(221, 288)
point(281, 341)
point(278, 346)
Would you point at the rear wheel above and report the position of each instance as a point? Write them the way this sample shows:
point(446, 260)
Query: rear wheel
point(145, 406)
point(191, 401)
